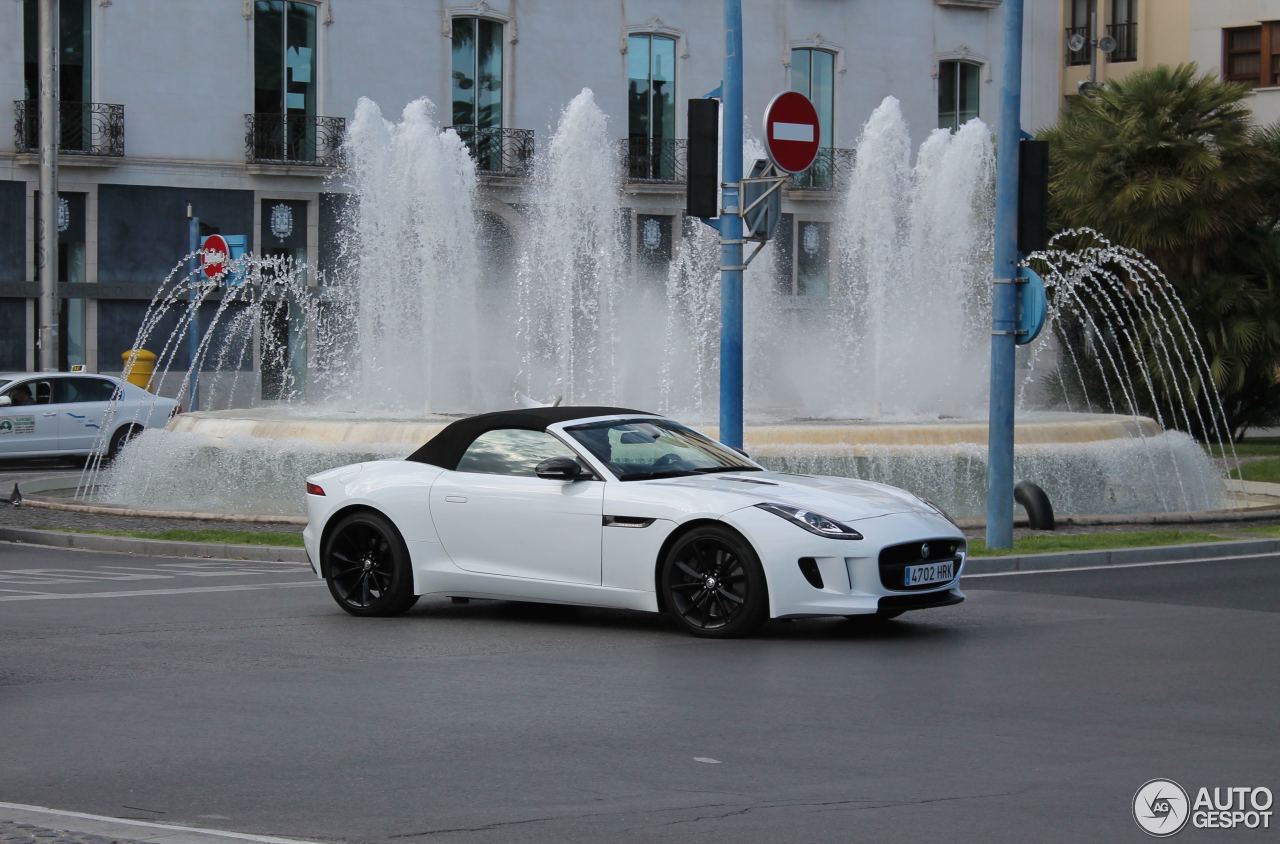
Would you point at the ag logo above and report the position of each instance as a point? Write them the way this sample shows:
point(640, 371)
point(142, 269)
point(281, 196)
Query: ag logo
point(6, 427)
point(1161, 808)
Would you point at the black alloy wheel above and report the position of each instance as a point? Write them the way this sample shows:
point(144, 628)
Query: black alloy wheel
point(713, 583)
point(367, 566)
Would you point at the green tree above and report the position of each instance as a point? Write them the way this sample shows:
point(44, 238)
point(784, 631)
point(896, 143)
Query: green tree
point(1166, 161)
point(1171, 163)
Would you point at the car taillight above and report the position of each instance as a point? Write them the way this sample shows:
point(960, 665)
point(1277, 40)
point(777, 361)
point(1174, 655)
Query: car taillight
point(314, 489)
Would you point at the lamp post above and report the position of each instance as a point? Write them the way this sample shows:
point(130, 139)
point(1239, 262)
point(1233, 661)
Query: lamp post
point(1004, 304)
point(49, 133)
point(193, 296)
point(731, 231)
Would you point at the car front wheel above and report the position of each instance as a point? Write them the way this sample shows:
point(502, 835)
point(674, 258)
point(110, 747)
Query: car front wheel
point(713, 583)
point(367, 566)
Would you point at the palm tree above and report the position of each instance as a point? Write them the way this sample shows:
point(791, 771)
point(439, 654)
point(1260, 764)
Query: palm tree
point(1164, 160)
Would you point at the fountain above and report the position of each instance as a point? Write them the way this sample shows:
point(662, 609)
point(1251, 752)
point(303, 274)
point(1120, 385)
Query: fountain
point(877, 369)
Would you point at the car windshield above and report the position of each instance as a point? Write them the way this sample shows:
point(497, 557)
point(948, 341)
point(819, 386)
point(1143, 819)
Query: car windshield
point(638, 450)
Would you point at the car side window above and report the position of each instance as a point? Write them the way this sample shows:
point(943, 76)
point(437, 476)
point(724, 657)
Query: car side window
point(41, 392)
point(511, 451)
point(74, 390)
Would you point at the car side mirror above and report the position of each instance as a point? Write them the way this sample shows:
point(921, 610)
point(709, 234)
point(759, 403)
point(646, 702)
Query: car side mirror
point(559, 469)
point(5, 401)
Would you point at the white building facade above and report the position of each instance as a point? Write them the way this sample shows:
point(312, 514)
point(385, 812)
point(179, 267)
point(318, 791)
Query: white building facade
point(239, 106)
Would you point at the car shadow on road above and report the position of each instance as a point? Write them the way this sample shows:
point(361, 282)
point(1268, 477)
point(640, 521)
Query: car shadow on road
point(594, 619)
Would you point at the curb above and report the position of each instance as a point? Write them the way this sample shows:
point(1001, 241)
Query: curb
point(972, 566)
point(1121, 556)
point(153, 547)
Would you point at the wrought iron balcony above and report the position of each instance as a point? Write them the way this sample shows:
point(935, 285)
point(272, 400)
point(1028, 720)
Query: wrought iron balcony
point(498, 151)
point(831, 169)
point(83, 128)
point(1081, 56)
point(654, 159)
point(294, 139)
point(1126, 35)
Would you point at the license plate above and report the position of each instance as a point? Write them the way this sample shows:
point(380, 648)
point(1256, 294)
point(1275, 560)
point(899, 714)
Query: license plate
point(930, 573)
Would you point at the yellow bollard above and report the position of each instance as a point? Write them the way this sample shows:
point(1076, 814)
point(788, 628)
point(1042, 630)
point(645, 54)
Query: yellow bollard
point(143, 365)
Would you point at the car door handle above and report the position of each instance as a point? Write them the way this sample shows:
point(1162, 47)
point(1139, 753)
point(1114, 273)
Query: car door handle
point(49, 413)
point(456, 499)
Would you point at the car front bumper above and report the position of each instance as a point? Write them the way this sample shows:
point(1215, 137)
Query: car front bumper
point(849, 571)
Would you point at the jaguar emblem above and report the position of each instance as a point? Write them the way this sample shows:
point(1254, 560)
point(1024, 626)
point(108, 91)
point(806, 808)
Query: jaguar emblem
point(924, 551)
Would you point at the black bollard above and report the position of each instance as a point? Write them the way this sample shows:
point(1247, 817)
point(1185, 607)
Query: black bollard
point(1039, 509)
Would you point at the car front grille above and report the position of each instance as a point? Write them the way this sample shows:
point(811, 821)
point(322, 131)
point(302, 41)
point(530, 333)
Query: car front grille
point(895, 558)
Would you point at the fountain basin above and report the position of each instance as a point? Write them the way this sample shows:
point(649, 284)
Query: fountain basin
point(254, 461)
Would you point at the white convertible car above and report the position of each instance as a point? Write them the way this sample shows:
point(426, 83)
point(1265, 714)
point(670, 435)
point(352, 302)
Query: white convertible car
point(606, 507)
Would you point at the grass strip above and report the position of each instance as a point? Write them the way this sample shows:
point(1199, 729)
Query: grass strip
point(1261, 447)
point(213, 535)
point(1050, 543)
point(1267, 471)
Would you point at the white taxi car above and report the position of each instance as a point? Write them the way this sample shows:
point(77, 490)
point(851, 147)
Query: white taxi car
point(72, 414)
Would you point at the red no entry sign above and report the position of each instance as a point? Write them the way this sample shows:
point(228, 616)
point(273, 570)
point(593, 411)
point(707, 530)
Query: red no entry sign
point(791, 132)
point(214, 263)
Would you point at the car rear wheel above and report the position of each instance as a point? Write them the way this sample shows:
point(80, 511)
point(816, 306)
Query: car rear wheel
point(366, 566)
point(712, 582)
point(120, 439)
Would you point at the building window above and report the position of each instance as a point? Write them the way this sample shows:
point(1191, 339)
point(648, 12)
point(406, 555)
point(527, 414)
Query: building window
point(1251, 54)
point(813, 73)
point(1124, 28)
point(284, 78)
point(477, 73)
point(651, 106)
point(75, 81)
point(477, 89)
point(957, 93)
point(1079, 25)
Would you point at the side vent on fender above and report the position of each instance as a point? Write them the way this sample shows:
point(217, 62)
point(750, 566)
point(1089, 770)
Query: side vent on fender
point(627, 521)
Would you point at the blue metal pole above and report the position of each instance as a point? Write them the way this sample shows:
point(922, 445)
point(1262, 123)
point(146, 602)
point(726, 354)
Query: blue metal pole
point(193, 331)
point(1004, 300)
point(731, 231)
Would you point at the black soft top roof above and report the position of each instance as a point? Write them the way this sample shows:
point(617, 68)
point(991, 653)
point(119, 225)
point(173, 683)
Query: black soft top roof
point(446, 448)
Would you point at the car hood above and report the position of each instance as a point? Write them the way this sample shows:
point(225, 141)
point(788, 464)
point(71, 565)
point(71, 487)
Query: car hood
point(844, 499)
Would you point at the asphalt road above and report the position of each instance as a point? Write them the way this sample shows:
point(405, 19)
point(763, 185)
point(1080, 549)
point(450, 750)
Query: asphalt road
point(237, 696)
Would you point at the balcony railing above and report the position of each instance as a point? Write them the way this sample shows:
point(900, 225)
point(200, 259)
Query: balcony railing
point(83, 128)
point(654, 159)
point(293, 139)
point(1081, 56)
point(831, 169)
point(1126, 35)
point(498, 151)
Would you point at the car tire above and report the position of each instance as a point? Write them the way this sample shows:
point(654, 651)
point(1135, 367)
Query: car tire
point(120, 438)
point(366, 566)
point(713, 583)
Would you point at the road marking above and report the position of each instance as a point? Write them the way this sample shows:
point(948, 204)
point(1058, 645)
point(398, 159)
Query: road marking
point(706, 760)
point(162, 571)
point(1067, 569)
point(239, 836)
point(58, 596)
point(23, 592)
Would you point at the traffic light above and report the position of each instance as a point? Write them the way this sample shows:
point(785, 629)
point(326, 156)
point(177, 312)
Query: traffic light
point(702, 196)
point(1033, 196)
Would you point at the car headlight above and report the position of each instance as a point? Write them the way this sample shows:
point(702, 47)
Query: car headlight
point(943, 513)
point(812, 522)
